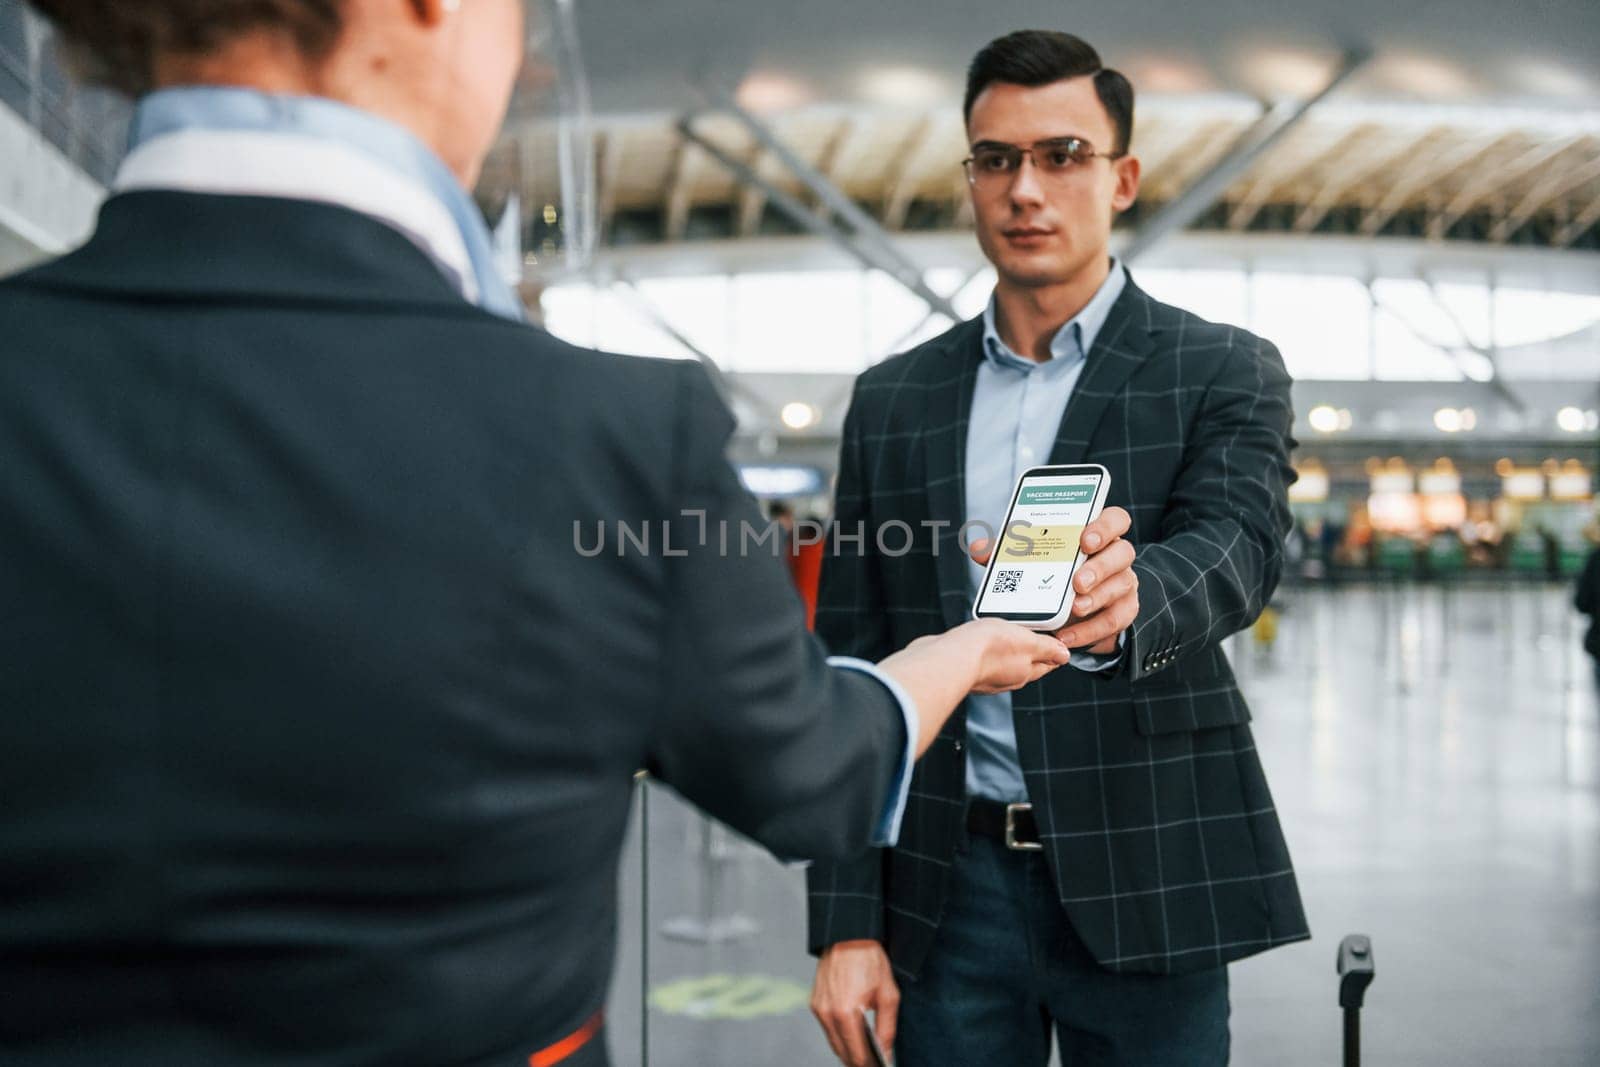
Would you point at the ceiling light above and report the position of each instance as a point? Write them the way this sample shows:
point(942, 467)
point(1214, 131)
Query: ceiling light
point(1286, 72)
point(1167, 74)
point(766, 91)
point(904, 85)
point(1324, 419)
point(1421, 75)
point(1548, 78)
point(799, 416)
point(1447, 420)
point(1571, 420)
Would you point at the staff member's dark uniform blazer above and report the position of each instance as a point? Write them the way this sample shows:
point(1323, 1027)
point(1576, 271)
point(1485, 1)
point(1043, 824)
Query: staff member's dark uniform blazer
point(1148, 794)
point(316, 732)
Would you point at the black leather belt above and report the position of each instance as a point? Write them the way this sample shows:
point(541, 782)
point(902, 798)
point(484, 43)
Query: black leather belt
point(1011, 823)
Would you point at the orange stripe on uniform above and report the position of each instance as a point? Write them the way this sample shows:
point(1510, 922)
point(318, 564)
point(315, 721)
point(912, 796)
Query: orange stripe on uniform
point(549, 1057)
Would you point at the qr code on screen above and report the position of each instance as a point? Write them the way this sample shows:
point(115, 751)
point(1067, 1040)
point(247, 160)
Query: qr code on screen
point(1007, 581)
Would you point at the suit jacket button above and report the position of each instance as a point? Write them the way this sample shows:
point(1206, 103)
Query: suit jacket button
point(960, 745)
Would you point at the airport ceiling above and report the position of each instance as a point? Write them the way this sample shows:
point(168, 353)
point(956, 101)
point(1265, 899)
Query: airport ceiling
point(644, 55)
point(1466, 120)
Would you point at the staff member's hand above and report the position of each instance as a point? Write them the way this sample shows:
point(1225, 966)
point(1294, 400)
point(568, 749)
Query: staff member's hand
point(850, 976)
point(1107, 588)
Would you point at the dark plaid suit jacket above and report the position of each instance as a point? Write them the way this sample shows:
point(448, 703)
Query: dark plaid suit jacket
point(1150, 798)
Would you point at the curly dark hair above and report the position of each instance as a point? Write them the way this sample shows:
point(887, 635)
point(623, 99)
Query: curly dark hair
point(116, 43)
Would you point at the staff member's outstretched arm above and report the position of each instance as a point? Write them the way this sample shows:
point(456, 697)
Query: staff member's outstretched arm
point(756, 727)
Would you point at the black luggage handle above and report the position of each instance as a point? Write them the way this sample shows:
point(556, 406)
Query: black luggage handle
point(1355, 975)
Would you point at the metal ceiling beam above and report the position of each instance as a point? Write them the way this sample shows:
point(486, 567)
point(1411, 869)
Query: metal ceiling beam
point(1576, 228)
point(907, 174)
point(1491, 353)
point(1546, 191)
point(1154, 132)
point(1495, 384)
point(1424, 171)
point(1327, 198)
point(901, 341)
point(752, 200)
point(679, 192)
point(840, 142)
point(869, 254)
point(1493, 181)
point(1179, 159)
point(608, 180)
point(865, 229)
point(1273, 178)
point(1255, 142)
point(966, 215)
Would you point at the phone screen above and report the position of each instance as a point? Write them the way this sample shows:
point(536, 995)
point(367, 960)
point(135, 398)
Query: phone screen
point(1031, 576)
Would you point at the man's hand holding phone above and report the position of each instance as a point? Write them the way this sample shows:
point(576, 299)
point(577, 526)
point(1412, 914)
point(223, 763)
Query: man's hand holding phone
point(854, 977)
point(1105, 586)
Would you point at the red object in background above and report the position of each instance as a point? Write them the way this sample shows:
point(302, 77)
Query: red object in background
point(805, 568)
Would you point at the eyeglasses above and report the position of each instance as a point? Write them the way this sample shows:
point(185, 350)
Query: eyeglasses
point(993, 164)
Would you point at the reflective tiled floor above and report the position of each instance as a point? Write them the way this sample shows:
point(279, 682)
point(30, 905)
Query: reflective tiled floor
point(1436, 759)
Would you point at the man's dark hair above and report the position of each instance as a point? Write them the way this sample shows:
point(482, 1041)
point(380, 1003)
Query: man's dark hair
point(1033, 58)
point(116, 42)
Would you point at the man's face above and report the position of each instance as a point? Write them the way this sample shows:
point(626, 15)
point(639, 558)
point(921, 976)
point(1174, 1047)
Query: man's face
point(1040, 228)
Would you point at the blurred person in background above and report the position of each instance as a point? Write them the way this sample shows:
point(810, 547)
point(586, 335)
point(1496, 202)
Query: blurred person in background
point(1087, 856)
point(1587, 601)
point(781, 513)
point(801, 545)
point(317, 732)
point(805, 563)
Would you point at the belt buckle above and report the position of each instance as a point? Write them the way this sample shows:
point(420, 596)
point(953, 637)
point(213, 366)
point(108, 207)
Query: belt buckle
point(1011, 830)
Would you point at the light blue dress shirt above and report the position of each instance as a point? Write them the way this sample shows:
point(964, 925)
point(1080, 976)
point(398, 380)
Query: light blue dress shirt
point(1017, 405)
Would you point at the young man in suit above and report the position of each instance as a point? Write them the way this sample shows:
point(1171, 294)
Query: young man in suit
point(1088, 854)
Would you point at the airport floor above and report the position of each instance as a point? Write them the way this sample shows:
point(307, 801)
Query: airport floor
point(1435, 756)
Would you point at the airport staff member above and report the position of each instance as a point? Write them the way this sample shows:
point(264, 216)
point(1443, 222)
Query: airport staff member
point(1088, 854)
point(316, 733)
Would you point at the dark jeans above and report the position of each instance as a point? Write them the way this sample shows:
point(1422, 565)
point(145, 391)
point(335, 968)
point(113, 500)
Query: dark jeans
point(1006, 967)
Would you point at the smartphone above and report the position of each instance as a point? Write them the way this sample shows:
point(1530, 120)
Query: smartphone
point(1029, 577)
point(879, 1057)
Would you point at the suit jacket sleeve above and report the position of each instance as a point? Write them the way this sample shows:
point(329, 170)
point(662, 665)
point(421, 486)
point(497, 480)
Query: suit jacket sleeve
point(845, 897)
point(755, 727)
point(1220, 551)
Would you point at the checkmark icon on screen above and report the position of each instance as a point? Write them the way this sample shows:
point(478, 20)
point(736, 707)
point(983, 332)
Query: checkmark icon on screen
point(1048, 580)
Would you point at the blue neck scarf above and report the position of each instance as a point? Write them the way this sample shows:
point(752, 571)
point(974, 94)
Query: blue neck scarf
point(221, 108)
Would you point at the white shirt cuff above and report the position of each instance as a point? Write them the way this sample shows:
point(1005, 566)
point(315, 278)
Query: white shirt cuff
point(887, 831)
